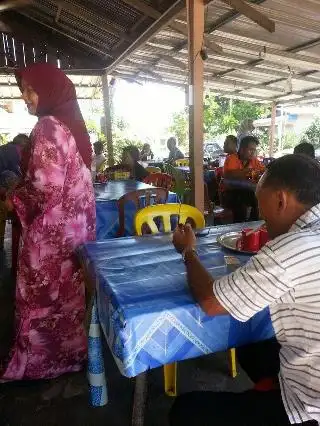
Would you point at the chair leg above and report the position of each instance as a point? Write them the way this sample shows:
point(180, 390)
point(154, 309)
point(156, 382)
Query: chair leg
point(170, 379)
point(232, 362)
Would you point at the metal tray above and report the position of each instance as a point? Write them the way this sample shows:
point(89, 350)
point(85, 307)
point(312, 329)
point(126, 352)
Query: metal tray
point(229, 241)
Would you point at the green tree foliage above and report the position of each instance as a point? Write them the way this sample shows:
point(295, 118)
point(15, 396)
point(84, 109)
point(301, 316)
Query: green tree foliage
point(4, 139)
point(180, 127)
point(220, 116)
point(312, 134)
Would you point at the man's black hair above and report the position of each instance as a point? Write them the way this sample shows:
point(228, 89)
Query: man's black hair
point(244, 143)
point(298, 174)
point(232, 139)
point(133, 151)
point(20, 139)
point(305, 148)
point(98, 146)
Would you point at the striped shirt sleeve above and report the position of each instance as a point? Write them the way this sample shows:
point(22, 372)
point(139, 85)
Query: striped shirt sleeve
point(254, 286)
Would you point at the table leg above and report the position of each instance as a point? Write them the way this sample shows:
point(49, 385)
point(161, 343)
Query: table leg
point(96, 372)
point(140, 399)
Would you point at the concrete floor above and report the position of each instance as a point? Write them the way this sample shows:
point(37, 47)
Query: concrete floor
point(21, 403)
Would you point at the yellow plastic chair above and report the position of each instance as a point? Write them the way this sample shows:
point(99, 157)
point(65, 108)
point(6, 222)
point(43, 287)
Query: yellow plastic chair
point(184, 162)
point(165, 211)
point(152, 169)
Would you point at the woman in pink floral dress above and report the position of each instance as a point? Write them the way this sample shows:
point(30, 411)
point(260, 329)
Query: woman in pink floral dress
point(56, 207)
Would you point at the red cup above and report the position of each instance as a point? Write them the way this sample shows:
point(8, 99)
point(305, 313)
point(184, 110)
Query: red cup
point(250, 241)
point(264, 237)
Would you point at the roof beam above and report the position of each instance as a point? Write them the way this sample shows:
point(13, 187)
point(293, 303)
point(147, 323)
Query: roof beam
point(176, 8)
point(265, 53)
point(177, 26)
point(237, 62)
point(59, 10)
point(245, 9)
point(226, 18)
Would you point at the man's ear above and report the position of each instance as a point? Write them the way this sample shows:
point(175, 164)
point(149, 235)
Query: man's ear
point(282, 200)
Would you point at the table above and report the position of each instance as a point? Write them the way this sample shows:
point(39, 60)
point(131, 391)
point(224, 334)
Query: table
point(208, 175)
point(146, 311)
point(107, 196)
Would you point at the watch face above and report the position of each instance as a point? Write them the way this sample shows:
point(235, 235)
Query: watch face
point(232, 263)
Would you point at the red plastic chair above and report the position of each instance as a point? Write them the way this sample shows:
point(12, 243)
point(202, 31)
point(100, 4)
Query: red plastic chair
point(160, 180)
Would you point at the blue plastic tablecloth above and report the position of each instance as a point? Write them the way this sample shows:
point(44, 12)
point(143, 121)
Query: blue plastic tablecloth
point(146, 311)
point(107, 196)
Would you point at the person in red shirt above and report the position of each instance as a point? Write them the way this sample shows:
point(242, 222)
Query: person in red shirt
point(241, 172)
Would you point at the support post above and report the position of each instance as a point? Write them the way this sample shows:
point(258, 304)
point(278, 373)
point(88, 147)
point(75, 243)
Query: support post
point(195, 14)
point(272, 129)
point(107, 123)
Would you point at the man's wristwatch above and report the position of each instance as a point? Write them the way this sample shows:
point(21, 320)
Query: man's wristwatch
point(188, 250)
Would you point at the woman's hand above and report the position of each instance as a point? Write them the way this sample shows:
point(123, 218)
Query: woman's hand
point(183, 238)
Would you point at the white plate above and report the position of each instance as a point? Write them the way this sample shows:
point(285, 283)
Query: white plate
point(229, 241)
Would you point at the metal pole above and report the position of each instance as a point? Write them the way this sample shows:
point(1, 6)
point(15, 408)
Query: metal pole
point(107, 125)
point(272, 129)
point(195, 14)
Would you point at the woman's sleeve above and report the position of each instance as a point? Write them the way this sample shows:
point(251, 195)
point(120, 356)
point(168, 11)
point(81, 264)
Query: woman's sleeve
point(44, 181)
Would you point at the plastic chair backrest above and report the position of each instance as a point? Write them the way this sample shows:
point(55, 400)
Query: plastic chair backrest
point(161, 180)
point(140, 198)
point(184, 162)
point(152, 169)
point(165, 211)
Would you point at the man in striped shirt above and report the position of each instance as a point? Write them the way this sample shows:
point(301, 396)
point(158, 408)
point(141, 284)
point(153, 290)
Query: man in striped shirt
point(284, 275)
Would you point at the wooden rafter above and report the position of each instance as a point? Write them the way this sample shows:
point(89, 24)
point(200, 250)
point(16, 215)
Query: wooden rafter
point(245, 9)
point(177, 26)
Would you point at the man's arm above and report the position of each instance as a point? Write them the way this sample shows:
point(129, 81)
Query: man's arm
point(201, 285)
point(243, 293)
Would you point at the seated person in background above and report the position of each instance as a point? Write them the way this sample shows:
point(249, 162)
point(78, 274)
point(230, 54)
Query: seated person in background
point(230, 145)
point(146, 153)
point(239, 168)
point(130, 163)
point(283, 276)
point(306, 149)
point(131, 158)
point(10, 154)
point(174, 151)
point(10, 159)
point(98, 160)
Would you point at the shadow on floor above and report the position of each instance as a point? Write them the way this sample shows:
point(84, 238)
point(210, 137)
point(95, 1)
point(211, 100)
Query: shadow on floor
point(21, 403)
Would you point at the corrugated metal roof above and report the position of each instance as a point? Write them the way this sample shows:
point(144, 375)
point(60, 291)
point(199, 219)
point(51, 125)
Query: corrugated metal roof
point(254, 64)
point(262, 66)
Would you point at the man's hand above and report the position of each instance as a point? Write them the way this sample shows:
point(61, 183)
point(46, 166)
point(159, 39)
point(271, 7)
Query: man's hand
point(184, 238)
